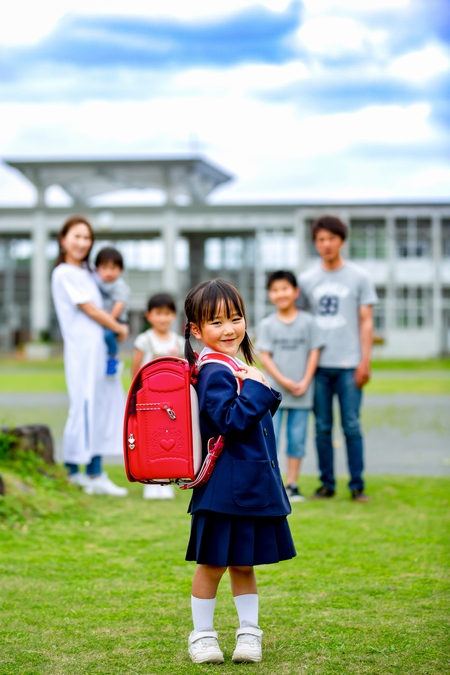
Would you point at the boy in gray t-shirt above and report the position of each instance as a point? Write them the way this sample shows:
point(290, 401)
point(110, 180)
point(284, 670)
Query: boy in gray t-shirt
point(289, 343)
point(340, 295)
point(115, 293)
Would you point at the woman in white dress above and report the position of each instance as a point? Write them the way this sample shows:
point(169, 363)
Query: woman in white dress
point(94, 424)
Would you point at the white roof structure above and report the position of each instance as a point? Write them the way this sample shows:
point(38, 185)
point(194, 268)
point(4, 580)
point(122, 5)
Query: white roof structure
point(191, 178)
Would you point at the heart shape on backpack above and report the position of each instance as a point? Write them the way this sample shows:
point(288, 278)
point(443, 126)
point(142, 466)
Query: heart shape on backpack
point(167, 443)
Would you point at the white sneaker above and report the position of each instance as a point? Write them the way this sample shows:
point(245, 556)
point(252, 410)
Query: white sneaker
point(102, 485)
point(152, 491)
point(248, 645)
point(78, 479)
point(166, 492)
point(204, 647)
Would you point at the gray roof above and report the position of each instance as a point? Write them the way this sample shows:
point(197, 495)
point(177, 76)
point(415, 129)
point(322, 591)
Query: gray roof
point(191, 177)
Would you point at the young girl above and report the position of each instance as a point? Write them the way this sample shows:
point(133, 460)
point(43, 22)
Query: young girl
point(239, 515)
point(159, 340)
point(94, 425)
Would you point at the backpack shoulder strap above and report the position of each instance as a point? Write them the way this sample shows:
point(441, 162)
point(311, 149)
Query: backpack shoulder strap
point(215, 445)
point(223, 359)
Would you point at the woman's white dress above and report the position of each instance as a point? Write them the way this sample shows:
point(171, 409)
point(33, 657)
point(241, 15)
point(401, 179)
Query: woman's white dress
point(97, 402)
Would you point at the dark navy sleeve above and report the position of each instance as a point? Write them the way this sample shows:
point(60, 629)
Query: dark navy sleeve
point(224, 408)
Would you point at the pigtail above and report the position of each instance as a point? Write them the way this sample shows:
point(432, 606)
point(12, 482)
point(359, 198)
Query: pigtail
point(248, 350)
point(189, 353)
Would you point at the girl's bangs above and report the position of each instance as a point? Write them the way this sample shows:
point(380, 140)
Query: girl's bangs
point(217, 295)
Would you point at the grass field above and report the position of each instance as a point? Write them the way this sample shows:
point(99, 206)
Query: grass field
point(388, 377)
point(97, 585)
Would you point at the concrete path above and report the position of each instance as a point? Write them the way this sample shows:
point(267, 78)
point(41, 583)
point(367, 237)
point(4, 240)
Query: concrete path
point(404, 434)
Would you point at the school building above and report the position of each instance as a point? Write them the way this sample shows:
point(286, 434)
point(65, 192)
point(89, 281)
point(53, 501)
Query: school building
point(180, 239)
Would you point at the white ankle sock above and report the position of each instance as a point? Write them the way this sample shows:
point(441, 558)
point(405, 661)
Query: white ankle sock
point(203, 613)
point(247, 608)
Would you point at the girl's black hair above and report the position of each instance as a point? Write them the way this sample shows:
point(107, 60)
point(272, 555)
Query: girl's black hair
point(159, 300)
point(201, 305)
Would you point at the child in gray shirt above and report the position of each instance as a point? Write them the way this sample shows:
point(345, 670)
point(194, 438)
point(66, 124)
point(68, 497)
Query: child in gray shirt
point(115, 293)
point(289, 343)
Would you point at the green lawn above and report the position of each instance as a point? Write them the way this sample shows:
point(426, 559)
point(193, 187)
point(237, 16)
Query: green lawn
point(389, 377)
point(409, 364)
point(98, 585)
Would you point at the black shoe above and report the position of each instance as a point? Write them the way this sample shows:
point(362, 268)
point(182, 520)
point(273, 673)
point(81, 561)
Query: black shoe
point(323, 492)
point(360, 496)
point(294, 493)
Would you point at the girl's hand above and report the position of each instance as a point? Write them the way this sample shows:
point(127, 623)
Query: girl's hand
point(251, 373)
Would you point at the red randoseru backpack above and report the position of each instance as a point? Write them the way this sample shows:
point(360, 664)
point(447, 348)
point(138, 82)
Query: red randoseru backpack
point(162, 442)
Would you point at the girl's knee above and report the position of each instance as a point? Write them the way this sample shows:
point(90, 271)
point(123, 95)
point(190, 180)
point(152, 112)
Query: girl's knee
point(212, 570)
point(240, 569)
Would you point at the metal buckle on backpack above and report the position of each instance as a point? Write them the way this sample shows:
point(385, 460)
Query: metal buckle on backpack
point(131, 442)
point(170, 412)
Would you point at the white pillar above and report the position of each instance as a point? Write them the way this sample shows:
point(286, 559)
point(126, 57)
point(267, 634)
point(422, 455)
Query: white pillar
point(39, 277)
point(170, 236)
point(302, 241)
point(260, 279)
point(436, 250)
point(391, 278)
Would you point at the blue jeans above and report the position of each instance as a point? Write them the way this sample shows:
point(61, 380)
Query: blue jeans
point(327, 383)
point(296, 428)
point(92, 469)
point(111, 342)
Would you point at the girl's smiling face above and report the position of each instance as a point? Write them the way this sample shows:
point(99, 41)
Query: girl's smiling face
point(222, 333)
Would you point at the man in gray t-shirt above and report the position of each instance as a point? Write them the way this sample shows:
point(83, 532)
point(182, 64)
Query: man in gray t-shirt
point(340, 295)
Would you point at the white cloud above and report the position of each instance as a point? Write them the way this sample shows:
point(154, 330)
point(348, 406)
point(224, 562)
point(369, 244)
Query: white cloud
point(352, 6)
point(242, 79)
point(336, 36)
point(25, 22)
point(421, 65)
point(433, 179)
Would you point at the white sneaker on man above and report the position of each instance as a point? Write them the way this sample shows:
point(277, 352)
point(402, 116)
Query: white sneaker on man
point(248, 645)
point(152, 491)
point(102, 485)
point(204, 647)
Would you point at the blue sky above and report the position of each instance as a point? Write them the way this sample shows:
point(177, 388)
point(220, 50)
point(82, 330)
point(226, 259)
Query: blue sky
point(313, 100)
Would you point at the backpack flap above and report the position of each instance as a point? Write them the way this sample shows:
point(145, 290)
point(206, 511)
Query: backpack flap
point(161, 420)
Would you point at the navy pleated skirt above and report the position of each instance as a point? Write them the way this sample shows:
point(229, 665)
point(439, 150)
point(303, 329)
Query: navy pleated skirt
point(222, 540)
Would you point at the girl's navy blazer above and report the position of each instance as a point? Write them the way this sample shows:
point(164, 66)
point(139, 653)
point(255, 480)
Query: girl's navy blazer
point(246, 479)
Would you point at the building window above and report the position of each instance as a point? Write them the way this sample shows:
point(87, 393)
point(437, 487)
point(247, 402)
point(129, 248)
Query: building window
point(279, 250)
point(224, 254)
point(413, 307)
point(367, 239)
point(379, 312)
point(413, 237)
point(310, 245)
point(445, 233)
